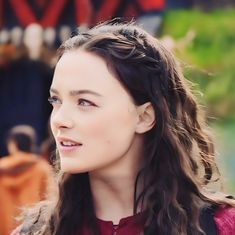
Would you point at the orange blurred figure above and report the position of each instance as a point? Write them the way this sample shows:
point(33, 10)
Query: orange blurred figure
point(24, 177)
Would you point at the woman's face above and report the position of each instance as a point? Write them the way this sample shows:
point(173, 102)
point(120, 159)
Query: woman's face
point(94, 119)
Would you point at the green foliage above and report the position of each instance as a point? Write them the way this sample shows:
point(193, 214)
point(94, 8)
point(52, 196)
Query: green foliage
point(210, 55)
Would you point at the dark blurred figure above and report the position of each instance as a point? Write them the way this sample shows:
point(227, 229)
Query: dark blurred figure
point(24, 177)
point(25, 78)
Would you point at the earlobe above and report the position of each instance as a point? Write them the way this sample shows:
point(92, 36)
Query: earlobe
point(147, 118)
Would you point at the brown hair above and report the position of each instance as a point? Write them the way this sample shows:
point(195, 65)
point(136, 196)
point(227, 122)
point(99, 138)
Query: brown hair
point(176, 147)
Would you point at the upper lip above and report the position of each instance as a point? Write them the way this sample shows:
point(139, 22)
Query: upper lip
point(61, 139)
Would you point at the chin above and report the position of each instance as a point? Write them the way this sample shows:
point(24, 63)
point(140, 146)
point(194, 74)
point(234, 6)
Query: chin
point(71, 169)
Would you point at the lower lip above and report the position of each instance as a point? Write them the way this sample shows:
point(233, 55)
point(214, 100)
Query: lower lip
point(69, 149)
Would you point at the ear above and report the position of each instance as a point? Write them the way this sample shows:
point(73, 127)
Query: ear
point(147, 118)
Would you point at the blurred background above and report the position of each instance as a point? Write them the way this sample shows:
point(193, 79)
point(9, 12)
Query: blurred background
point(200, 33)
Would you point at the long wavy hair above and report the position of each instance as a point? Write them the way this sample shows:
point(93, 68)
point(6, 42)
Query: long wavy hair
point(179, 159)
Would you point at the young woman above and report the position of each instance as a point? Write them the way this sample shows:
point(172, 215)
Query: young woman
point(134, 153)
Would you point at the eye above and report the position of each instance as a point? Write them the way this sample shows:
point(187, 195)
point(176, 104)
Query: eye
point(83, 102)
point(54, 100)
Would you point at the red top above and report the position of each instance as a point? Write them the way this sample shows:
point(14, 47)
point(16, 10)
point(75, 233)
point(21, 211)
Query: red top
point(132, 225)
point(225, 221)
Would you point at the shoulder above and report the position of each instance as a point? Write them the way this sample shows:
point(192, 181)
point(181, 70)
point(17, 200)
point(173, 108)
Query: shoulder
point(225, 220)
point(7, 161)
point(42, 167)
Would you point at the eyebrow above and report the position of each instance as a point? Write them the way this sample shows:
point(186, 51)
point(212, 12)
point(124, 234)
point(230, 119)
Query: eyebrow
point(77, 92)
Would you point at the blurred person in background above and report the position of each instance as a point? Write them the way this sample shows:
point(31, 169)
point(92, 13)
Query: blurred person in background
point(147, 13)
point(17, 36)
point(7, 50)
point(24, 178)
point(24, 84)
point(33, 41)
point(150, 15)
point(133, 146)
point(64, 33)
point(49, 39)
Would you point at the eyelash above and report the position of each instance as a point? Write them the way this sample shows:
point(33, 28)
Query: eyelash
point(54, 100)
point(86, 101)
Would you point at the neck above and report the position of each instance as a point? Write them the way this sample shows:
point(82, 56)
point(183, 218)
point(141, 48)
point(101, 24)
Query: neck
point(113, 196)
point(113, 186)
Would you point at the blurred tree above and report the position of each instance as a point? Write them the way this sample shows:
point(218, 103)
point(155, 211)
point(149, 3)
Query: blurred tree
point(209, 55)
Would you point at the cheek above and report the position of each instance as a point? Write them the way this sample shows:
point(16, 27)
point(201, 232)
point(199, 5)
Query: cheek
point(111, 130)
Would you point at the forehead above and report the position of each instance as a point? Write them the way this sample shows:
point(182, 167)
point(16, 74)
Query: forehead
point(81, 62)
point(79, 69)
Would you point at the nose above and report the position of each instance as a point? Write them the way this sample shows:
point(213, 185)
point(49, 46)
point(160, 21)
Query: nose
point(61, 119)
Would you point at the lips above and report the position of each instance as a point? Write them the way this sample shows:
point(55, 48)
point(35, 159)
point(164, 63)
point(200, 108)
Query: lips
point(67, 145)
